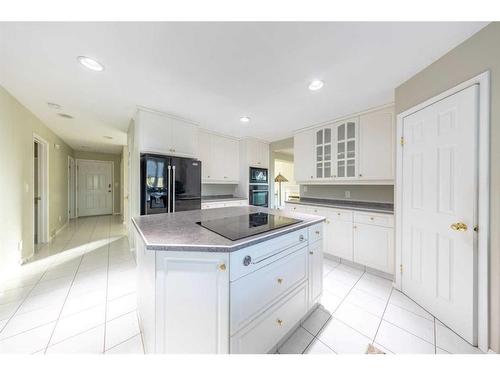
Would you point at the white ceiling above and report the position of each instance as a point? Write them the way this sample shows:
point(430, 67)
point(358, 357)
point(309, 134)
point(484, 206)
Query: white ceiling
point(213, 73)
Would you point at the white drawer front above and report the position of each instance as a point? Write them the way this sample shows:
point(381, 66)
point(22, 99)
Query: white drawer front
point(260, 336)
point(315, 233)
point(257, 291)
point(374, 218)
point(252, 258)
point(339, 215)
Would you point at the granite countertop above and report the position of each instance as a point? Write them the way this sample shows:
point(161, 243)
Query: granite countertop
point(179, 231)
point(386, 208)
point(221, 198)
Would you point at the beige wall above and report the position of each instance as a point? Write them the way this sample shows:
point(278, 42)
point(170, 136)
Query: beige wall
point(479, 53)
point(17, 126)
point(116, 159)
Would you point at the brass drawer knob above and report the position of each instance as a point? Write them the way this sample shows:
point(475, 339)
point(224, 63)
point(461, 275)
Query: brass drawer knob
point(317, 232)
point(222, 267)
point(372, 218)
point(279, 322)
point(311, 252)
point(280, 280)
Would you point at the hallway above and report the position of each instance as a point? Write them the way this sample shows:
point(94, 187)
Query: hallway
point(77, 295)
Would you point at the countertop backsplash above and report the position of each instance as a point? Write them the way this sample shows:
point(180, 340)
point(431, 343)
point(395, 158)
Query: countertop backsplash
point(366, 193)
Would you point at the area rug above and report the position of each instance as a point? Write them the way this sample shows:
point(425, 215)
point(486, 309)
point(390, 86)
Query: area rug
point(373, 350)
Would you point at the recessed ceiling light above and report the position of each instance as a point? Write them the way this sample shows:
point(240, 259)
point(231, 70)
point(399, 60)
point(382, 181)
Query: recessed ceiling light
point(65, 115)
point(54, 105)
point(90, 63)
point(245, 119)
point(316, 85)
point(108, 137)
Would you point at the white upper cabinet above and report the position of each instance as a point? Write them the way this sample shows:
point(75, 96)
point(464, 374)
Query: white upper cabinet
point(346, 139)
point(160, 133)
point(219, 157)
point(377, 141)
point(304, 155)
point(324, 153)
point(257, 153)
point(355, 150)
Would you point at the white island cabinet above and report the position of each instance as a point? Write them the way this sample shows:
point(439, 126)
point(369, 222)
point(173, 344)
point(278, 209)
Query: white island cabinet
point(242, 301)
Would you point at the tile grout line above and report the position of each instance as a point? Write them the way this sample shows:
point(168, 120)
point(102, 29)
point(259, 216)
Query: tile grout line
point(382, 317)
point(107, 289)
point(435, 339)
point(67, 294)
point(123, 342)
point(49, 266)
point(331, 315)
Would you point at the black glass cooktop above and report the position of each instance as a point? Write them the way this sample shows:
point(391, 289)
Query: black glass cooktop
point(238, 227)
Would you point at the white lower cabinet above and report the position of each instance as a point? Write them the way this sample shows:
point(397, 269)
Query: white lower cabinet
point(264, 333)
point(315, 266)
point(208, 302)
point(192, 303)
point(225, 203)
point(374, 246)
point(366, 238)
point(340, 239)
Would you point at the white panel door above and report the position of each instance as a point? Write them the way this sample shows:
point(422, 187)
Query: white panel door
point(95, 192)
point(438, 210)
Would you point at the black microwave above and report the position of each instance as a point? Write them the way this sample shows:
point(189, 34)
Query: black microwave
point(258, 176)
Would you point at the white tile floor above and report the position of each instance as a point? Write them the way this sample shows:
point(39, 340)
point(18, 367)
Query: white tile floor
point(358, 308)
point(78, 296)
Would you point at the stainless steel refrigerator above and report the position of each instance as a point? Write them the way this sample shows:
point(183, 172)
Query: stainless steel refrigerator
point(169, 184)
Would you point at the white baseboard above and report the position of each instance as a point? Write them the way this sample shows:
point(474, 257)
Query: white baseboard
point(58, 231)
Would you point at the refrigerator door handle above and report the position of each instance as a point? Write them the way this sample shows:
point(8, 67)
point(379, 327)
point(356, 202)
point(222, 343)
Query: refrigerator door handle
point(173, 188)
point(168, 190)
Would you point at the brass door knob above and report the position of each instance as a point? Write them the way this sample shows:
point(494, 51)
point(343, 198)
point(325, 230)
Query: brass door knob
point(460, 227)
point(279, 322)
point(222, 267)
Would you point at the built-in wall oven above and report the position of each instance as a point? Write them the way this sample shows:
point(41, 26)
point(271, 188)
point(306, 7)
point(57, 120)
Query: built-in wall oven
point(258, 195)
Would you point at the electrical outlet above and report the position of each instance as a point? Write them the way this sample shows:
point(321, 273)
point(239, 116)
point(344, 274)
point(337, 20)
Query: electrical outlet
point(347, 194)
point(305, 189)
point(60, 218)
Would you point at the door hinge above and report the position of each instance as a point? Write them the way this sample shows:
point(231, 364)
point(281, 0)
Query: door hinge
point(401, 268)
point(402, 141)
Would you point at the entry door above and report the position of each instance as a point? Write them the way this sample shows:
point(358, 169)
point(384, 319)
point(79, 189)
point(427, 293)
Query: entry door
point(95, 195)
point(438, 210)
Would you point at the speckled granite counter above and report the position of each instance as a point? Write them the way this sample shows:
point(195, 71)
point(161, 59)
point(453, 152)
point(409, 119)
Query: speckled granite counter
point(221, 198)
point(179, 231)
point(386, 208)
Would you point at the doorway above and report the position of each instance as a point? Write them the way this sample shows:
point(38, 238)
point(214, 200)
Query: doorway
point(40, 192)
point(442, 201)
point(94, 187)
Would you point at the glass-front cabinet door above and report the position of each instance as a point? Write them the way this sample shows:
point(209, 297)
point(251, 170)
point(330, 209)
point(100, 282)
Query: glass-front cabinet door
point(324, 153)
point(347, 149)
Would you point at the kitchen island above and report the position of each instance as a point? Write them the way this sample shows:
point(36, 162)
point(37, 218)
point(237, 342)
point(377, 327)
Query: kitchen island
point(202, 288)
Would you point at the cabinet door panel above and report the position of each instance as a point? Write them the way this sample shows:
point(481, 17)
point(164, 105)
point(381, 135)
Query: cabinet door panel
point(184, 138)
point(205, 156)
point(339, 239)
point(304, 157)
point(376, 141)
point(191, 319)
point(374, 247)
point(315, 272)
point(155, 132)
